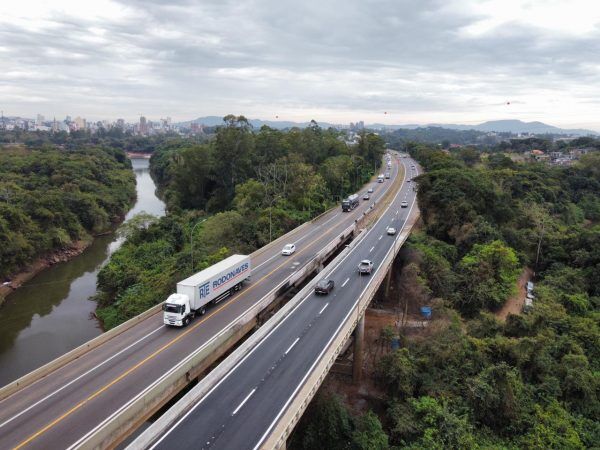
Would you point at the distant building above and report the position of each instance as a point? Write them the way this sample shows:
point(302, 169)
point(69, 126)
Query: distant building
point(80, 123)
point(143, 125)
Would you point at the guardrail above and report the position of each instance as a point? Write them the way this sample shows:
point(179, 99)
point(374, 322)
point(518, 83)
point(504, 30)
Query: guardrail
point(286, 424)
point(208, 382)
point(137, 410)
point(74, 354)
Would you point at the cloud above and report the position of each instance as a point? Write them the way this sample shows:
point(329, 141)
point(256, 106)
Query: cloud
point(426, 61)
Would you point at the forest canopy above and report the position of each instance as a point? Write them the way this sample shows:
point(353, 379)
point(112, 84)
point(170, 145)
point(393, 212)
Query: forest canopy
point(50, 198)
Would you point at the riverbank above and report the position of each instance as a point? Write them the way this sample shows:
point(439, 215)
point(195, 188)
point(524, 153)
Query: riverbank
point(41, 264)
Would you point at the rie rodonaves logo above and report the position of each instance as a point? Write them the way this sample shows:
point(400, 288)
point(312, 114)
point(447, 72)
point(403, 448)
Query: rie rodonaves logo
point(204, 290)
point(219, 282)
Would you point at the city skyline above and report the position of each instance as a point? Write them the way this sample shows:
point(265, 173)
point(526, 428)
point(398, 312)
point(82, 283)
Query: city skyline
point(382, 62)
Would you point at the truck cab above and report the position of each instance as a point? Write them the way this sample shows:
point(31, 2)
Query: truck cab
point(176, 310)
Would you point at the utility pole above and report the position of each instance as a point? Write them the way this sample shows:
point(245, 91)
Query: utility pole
point(192, 241)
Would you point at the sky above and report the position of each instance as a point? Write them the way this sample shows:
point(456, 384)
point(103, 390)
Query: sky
point(380, 61)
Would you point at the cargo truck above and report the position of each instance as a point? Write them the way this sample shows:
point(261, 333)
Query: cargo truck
point(348, 204)
point(211, 285)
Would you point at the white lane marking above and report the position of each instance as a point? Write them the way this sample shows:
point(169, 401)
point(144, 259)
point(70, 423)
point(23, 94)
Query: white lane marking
point(320, 312)
point(345, 282)
point(243, 401)
point(52, 394)
point(292, 346)
point(380, 237)
point(371, 249)
point(333, 336)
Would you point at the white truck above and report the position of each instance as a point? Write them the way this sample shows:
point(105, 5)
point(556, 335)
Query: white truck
point(211, 285)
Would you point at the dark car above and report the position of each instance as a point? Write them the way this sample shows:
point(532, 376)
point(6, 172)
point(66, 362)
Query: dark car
point(324, 287)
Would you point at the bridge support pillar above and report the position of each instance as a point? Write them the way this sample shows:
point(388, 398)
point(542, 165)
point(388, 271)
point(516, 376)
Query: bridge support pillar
point(388, 280)
point(359, 340)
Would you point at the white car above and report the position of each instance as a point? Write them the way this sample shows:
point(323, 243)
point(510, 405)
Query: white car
point(391, 231)
point(370, 190)
point(404, 204)
point(288, 249)
point(365, 267)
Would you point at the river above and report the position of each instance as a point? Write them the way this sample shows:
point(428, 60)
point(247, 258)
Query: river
point(51, 313)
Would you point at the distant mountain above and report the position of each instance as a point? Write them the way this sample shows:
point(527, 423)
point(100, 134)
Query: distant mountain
point(500, 126)
point(517, 126)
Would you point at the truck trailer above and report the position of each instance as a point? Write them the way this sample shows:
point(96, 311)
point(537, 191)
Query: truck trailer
point(211, 285)
point(348, 204)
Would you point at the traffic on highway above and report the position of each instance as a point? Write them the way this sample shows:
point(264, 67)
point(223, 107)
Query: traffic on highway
point(244, 406)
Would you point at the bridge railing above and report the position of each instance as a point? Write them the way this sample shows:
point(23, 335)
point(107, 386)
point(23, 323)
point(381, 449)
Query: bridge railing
point(284, 425)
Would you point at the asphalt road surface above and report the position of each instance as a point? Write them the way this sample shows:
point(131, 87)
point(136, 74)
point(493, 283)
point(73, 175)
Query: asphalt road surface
point(61, 408)
point(240, 411)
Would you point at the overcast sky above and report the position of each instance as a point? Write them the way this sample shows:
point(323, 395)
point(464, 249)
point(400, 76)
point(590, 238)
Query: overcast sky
point(389, 61)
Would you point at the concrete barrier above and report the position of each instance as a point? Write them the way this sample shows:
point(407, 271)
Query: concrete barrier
point(286, 424)
point(72, 355)
point(65, 359)
point(207, 383)
point(210, 381)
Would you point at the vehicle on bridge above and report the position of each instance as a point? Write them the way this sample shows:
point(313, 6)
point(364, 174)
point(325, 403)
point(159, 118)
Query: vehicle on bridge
point(211, 285)
point(324, 287)
point(365, 267)
point(288, 249)
point(348, 204)
point(380, 178)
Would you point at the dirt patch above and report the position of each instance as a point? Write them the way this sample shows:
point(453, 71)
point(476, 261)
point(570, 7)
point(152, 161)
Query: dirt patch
point(514, 305)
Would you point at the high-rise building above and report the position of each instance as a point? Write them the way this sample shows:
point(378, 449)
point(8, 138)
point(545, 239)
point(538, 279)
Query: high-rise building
point(40, 120)
point(80, 122)
point(143, 125)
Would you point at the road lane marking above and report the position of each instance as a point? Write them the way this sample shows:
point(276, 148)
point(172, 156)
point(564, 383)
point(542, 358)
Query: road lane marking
point(371, 249)
point(293, 343)
point(288, 401)
point(264, 339)
point(169, 344)
point(243, 401)
point(52, 394)
point(320, 312)
point(380, 237)
point(153, 355)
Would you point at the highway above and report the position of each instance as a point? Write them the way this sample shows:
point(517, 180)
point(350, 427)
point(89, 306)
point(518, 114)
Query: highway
point(244, 406)
point(61, 408)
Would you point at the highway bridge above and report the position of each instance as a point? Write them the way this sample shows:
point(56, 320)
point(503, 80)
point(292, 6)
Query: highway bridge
point(254, 398)
point(89, 394)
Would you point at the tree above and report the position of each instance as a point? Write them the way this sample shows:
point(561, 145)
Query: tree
point(369, 434)
point(488, 276)
point(499, 399)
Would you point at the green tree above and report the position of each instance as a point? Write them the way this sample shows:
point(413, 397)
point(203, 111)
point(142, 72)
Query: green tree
point(488, 276)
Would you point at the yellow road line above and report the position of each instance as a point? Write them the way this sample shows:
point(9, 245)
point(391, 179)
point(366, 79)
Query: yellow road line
point(160, 350)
